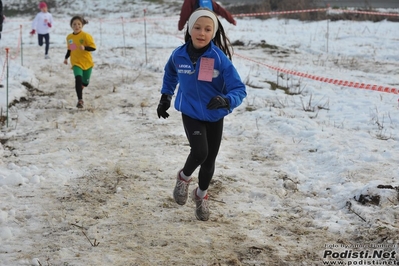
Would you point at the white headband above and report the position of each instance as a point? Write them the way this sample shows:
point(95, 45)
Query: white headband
point(202, 13)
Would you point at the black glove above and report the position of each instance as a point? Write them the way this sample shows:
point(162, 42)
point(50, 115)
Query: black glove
point(218, 102)
point(164, 105)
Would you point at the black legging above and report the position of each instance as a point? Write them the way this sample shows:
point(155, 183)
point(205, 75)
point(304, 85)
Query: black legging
point(47, 40)
point(204, 139)
point(79, 87)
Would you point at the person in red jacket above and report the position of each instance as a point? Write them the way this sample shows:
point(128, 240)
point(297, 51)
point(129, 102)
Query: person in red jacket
point(189, 6)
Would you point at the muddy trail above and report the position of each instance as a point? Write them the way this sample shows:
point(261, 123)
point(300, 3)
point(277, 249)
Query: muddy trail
point(119, 210)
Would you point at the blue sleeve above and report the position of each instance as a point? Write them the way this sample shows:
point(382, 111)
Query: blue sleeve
point(170, 78)
point(235, 88)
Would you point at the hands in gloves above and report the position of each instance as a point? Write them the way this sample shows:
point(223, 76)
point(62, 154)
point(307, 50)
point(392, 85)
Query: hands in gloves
point(164, 105)
point(218, 102)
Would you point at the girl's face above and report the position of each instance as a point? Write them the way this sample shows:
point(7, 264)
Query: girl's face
point(77, 26)
point(202, 32)
point(44, 9)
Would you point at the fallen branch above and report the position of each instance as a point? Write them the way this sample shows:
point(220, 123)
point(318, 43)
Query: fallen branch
point(388, 187)
point(78, 226)
point(220, 201)
point(349, 205)
point(95, 244)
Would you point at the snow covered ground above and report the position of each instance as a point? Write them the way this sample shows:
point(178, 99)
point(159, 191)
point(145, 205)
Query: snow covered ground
point(307, 172)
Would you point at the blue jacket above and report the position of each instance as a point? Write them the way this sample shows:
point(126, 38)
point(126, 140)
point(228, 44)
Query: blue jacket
point(193, 95)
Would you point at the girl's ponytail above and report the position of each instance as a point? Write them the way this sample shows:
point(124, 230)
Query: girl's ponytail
point(223, 42)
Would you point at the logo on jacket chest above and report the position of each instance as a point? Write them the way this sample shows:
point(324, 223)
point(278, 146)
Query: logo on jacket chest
point(185, 69)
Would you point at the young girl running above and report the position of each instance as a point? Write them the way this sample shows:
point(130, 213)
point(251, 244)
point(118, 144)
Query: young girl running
point(209, 89)
point(42, 25)
point(80, 44)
